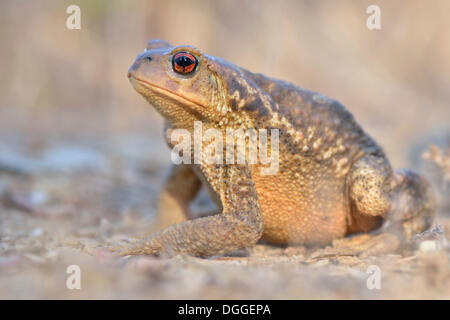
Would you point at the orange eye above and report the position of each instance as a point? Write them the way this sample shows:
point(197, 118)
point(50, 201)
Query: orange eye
point(184, 62)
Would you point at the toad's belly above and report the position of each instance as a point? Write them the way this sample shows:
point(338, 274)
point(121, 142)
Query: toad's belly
point(301, 211)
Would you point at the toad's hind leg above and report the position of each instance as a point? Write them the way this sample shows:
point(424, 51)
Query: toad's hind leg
point(403, 200)
point(412, 204)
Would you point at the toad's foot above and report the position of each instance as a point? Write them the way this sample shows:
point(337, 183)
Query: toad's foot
point(143, 246)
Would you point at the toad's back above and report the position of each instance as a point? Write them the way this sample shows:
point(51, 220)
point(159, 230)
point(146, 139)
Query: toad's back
point(306, 201)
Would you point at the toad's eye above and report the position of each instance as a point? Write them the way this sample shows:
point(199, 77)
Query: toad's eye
point(184, 62)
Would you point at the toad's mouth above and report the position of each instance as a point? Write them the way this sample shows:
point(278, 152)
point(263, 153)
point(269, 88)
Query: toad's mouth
point(189, 104)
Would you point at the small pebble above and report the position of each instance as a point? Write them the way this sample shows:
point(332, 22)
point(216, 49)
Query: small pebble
point(37, 232)
point(428, 246)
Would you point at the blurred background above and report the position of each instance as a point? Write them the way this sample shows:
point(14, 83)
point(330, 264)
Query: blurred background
point(72, 83)
point(76, 140)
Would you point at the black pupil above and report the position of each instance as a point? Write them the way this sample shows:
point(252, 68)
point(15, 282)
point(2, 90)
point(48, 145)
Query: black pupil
point(184, 61)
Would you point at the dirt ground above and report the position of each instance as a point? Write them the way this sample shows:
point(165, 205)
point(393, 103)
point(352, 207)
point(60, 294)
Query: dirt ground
point(56, 207)
point(82, 156)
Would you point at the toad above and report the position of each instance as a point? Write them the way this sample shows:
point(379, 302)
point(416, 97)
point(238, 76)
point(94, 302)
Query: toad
point(333, 180)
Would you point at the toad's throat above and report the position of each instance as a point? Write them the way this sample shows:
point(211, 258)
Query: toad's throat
point(190, 104)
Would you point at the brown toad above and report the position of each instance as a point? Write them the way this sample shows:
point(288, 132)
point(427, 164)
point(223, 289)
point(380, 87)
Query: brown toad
point(333, 179)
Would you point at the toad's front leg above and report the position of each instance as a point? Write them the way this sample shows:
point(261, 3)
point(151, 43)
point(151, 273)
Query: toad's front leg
point(239, 225)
